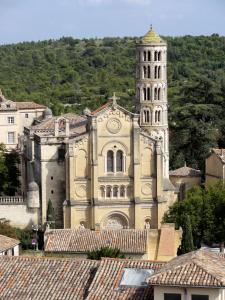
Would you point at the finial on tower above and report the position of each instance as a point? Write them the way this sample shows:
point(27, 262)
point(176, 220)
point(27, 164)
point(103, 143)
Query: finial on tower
point(114, 98)
point(151, 27)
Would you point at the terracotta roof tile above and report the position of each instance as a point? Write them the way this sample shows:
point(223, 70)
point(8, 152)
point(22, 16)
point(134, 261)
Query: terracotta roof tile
point(186, 172)
point(26, 278)
point(197, 268)
point(83, 240)
point(7, 243)
point(29, 105)
point(106, 283)
point(101, 107)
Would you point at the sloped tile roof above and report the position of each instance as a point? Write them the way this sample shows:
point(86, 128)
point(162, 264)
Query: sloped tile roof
point(107, 280)
point(197, 268)
point(7, 243)
point(77, 124)
point(83, 240)
point(185, 172)
point(26, 278)
point(101, 107)
point(29, 105)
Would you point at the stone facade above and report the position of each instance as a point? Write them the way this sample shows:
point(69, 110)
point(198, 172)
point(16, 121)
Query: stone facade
point(215, 166)
point(107, 168)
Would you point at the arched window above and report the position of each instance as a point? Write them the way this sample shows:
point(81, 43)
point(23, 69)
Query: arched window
point(146, 116)
point(159, 72)
point(156, 116)
point(149, 55)
point(144, 72)
point(156, 71)
point(148, 93)
point(144, 92)
point(155, 55)
point(159, 94)
point(159, 56)
point(144, 55)
point(108, 191)
point(159, 116)
point(119, 161)
point(102, 192)
point(122, 191)
point(155, 94)
point(110, 161)
point(115, 191)
point(149, 72)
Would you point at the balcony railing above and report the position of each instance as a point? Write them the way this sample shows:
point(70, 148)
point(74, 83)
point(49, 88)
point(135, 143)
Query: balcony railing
point(11, 200)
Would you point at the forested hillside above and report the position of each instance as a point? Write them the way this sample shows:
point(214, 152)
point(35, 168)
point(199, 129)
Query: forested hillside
point(86, 72)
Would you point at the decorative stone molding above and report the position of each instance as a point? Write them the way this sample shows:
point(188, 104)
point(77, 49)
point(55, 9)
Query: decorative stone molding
point(114, 125)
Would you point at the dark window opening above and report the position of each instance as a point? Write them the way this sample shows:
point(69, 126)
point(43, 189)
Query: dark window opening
point(172, 296)
point(110, 161)
point(199, 297)
point(119, 161)
point(61, 154)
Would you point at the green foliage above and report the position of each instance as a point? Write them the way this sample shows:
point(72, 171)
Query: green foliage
point(206, 209)
point(187, 244)
point(9, 172)
point(105, 252)
point(23, 235)
point(84, 73)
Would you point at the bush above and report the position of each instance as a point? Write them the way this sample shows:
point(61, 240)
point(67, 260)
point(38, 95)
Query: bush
point(105, 252)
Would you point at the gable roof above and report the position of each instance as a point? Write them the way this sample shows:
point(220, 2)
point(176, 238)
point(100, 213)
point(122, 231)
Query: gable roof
point(106, 284)
point(7, 243)
point(185, 172)
point(84, 240)
point(29, 105)
point(45, 278)
point(197, 268)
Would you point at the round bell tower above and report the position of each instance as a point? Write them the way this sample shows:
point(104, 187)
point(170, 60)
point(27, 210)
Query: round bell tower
point(151, 90)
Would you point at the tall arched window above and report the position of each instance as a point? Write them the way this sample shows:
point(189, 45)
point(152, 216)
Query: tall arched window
point(144, 55)
point(144, 92)
point(146, 116)
point(122, 191)
point(159, 72)
point(155, 55)
point(149, 72)
point(108, 191)
point(119, 161)
point(144, 72)
point(148, 93)
point(149, 55)
point(156, 71)
point(159, 56)
point(155, 94)
point(110, 161)
point(102, 192)
point(159, 94)
point(115, 191)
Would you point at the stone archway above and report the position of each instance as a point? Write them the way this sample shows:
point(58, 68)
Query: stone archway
point(115, 221)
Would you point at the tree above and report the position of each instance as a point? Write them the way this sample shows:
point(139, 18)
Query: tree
point(187, 244)
point(206, 210)
point(50, 214)
point(105, 252)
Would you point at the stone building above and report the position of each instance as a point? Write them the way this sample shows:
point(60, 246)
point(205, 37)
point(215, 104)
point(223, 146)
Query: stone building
point(14, 116)
point(108, 168)
point(215, 166)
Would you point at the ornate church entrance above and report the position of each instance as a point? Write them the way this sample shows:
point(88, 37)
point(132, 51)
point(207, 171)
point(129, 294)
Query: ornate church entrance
point(115, 221)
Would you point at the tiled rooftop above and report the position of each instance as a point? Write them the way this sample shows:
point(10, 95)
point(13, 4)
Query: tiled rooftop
point(101, 107)
point(106, 283)
point(26, 278)
point(83, 240)
point(197, 268)
point(185, 172)
point(77, 124)
point(7, 243)
point(29, 105)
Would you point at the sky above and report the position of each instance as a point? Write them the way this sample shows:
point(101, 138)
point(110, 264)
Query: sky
point(32, 20)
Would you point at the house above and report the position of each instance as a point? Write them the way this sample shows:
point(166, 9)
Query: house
point(215, 166)
point(185, 178)
point(9, 246)
point(14, 116)
point(150, 244)
point(198, 275)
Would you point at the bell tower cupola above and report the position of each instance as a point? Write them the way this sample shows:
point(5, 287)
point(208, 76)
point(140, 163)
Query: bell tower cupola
point(151, 89)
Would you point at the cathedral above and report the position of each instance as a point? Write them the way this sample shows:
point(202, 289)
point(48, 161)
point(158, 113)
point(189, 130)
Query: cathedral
point(108, 168)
